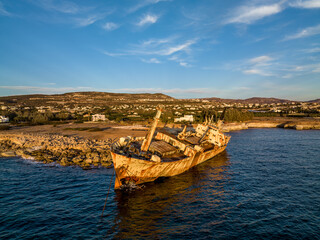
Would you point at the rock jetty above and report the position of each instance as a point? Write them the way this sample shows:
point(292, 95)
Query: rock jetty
point(48, 148)
point(291, 125)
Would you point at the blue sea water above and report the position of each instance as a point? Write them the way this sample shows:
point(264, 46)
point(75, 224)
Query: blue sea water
point(266, 185)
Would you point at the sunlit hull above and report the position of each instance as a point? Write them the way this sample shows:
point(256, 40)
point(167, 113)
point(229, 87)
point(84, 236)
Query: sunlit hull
point(133, 170)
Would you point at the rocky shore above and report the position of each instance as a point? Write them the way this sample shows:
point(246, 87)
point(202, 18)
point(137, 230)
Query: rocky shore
point(89, 149)
point(289, 124)
point(48, 148)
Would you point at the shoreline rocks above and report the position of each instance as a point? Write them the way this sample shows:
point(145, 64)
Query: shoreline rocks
point(66, 151)
point(289, 125)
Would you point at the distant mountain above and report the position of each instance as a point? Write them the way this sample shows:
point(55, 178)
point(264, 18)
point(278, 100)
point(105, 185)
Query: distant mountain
point(83, 99)
point(252, 100)
point(315, 101)
point(106, 98)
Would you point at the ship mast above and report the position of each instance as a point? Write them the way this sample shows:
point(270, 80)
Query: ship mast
point(147, 141)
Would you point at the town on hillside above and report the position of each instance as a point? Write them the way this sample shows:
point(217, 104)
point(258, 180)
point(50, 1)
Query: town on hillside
point(133, 108)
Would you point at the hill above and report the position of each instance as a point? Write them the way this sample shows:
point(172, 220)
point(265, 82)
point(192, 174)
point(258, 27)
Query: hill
point(315, 101)
point(252, 100)
point(83, 99)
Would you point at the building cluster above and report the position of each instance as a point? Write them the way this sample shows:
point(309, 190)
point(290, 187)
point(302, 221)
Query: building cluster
point(4, 119)
point(177, 111)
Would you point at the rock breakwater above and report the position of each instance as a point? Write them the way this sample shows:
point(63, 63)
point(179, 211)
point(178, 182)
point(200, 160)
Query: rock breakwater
point(48, 148)
point(291, 125)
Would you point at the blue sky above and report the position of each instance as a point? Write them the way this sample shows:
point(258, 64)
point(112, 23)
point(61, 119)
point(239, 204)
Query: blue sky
point(183, 48)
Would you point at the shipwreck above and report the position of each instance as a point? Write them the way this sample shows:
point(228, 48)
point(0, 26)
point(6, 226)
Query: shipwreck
point(139, 160)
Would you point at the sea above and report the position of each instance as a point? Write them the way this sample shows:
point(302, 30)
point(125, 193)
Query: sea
point(266, 185)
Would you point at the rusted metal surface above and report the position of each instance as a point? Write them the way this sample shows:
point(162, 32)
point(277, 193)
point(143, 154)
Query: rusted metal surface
point(178, 153)
point(162, 147)
point(147, 141)
point(193, 140)
point(141, 171)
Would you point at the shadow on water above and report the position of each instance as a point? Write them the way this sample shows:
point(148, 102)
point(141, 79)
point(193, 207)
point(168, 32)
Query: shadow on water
point(146, 212)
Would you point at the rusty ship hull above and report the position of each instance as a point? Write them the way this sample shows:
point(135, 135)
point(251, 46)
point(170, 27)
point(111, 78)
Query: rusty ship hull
point(164, 154)
point(141, 171)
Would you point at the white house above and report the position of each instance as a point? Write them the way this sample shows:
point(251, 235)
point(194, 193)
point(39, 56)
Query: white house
point(4, 119)
point(187, 118)
point(98, 117)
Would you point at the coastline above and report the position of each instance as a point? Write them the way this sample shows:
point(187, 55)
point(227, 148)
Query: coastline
point(69, 144)
point(287, 124)
point(66, 151)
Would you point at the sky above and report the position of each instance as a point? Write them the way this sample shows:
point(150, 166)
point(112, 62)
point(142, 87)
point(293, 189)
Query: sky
point(182, 48)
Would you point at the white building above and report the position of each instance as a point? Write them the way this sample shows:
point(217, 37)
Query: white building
point(4, 119)
point(186, 118)
point(98, 117)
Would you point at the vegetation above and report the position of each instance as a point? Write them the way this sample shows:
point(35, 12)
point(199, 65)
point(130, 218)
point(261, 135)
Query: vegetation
point(230, 115)
point(234, 115)
point(33, 117)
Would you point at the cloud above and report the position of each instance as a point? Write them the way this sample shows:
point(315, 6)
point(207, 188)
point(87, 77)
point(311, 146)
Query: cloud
point(250, 14)
point(306, 4)
point(69, 12)
point(156, 42)
point(257, 72)
point(311, 50)
point(148, 19)
point(177, 48)
point(162, 47)
point(86, 21)
point(114, 54)
point(151, 60)
point(313, 68)
point(49, 90)
point(260, 59)
point(184, 64)
point(67, 7)
point(110, 26)
point(307, 32)
point(260, 65)
point(144, 3)
point(3, 11)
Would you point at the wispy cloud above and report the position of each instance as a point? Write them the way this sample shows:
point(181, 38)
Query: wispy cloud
point(148, 19)
point(114, 54)
point(151, 60)
point(249, 14)
point(3, 11)
point(86, 21)
point(305, 4)
point(110, 26)
point(311, 50)
point(69, 12)
point(181, 61)
point(144, 3)
point(307, 32)
point(67, 7)
point(257, 72)
point(163, 48)
point(261, 59)
point(309, 68)
point(185, 64)
point(157, 47)
point(181, 47)
point(258, 66)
